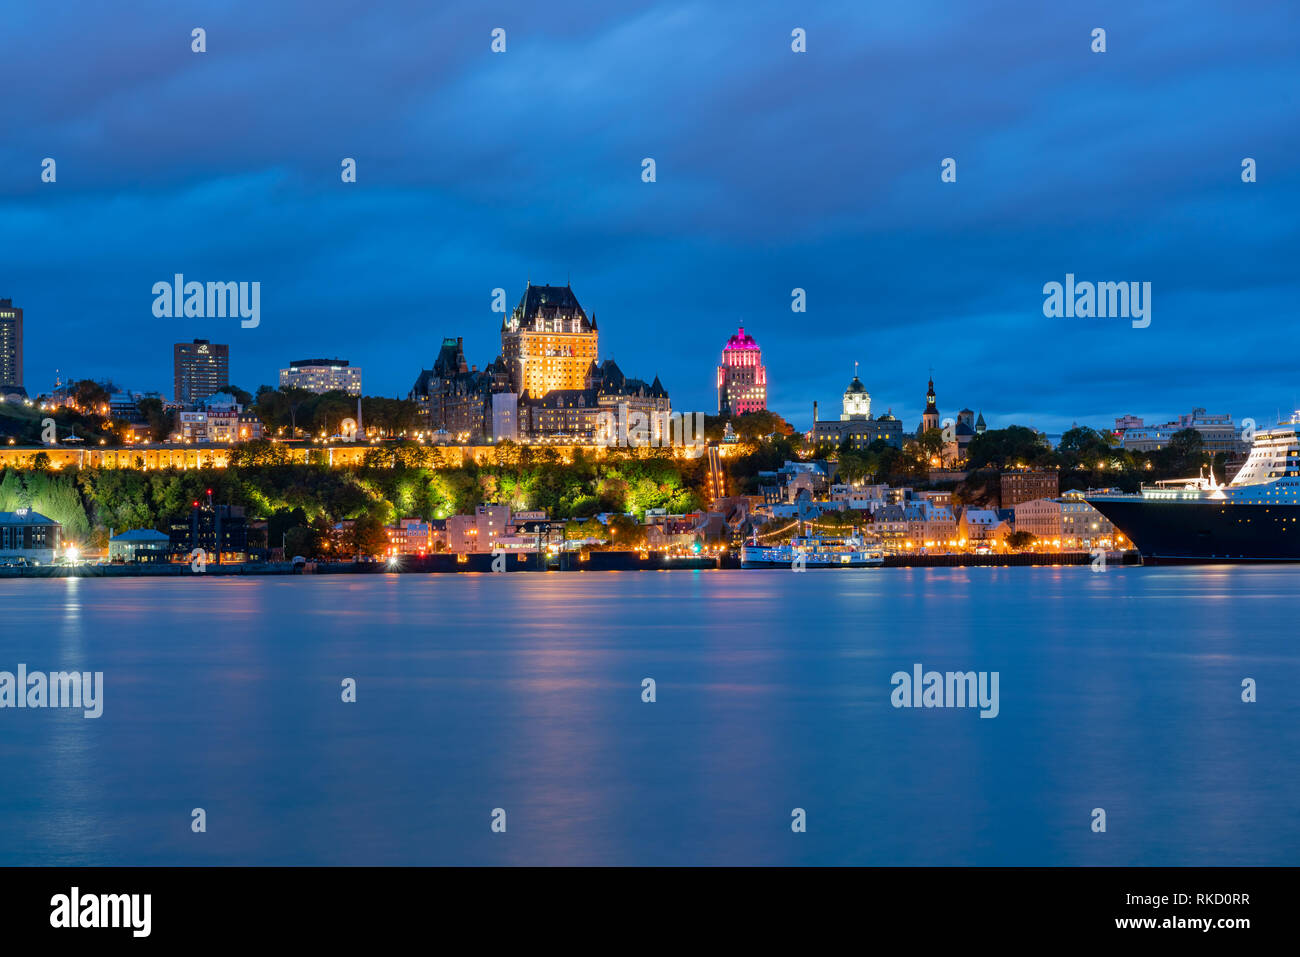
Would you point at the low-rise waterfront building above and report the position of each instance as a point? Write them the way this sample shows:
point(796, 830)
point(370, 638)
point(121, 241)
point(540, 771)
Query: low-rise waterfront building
point(221, 531)
point(410, 536)
point(140, 545)
point(983, 526)
point(1040, 517)
point(28, 536)
point(1081, 524)
point(480, 532)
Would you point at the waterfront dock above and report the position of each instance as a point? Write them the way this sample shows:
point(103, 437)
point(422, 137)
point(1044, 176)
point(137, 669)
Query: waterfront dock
point(596, 561)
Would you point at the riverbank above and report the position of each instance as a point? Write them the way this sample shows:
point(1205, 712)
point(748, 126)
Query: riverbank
point(528, 562)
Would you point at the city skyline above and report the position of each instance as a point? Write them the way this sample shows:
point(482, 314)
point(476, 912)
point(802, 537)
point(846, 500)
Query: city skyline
point(1157, 420)
point(1060, 170)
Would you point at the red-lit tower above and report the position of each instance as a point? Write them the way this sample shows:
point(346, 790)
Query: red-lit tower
point(742, 377)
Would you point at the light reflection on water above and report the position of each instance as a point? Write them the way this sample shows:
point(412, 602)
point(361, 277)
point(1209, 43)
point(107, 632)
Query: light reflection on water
point(1118, 690)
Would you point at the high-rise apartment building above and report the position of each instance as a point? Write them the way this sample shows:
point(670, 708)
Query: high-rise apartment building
point(201, 368)
point(11, 344)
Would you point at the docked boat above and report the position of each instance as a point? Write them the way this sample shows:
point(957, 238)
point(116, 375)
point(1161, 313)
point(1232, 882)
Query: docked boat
point(812, 551)
point(1254, 518)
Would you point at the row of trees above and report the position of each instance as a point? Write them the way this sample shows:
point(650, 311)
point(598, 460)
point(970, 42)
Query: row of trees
point(293, 411)
point(1084, 456)
point(50, 493)
point(316, 496)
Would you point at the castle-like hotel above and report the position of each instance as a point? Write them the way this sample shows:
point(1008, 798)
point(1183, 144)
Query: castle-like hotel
point(546, 386)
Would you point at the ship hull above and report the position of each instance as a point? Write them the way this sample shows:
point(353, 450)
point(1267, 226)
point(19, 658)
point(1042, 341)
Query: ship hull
point(1176, 532)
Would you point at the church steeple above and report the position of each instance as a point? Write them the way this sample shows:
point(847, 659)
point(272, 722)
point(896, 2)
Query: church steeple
point(929, 418)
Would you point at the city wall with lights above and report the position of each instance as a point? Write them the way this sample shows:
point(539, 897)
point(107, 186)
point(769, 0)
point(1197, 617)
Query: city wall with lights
point(340, 455)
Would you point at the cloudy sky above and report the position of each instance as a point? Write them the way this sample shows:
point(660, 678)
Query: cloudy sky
point(775, 170)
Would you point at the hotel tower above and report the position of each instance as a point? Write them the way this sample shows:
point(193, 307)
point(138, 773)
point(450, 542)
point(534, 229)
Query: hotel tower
point(548, 343)
point(742, 377)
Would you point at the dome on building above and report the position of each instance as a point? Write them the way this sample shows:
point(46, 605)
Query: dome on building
point(742, 340)
point(857, 401)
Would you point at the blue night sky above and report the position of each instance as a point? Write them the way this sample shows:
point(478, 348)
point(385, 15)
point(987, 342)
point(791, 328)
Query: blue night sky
point(775, 170)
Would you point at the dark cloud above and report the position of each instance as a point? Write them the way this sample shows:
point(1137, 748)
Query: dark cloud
point(775, 170)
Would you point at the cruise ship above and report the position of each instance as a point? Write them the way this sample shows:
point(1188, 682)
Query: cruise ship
point(1254, 518)
point(811, 552)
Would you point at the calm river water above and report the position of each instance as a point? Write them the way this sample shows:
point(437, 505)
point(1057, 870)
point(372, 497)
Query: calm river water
point(523, 692)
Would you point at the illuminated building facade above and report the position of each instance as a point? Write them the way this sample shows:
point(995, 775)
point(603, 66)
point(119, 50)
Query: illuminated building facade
point(28, 535)
point(855, 424)
point(208, 526)
point(458, 399)
point(200, 368)
point(546, 385)
point(548, 342)
point(1027, 485)
point(573, 415)
point(481, 531)
point(321, 376)
point(742, 377)
point(11, 345)
point(140, 545)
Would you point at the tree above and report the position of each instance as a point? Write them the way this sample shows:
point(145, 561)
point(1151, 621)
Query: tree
point(931, 442)
point(1012, 447)
point(160, 422)
point(368, 536)
point(588, 528)
point(752, 426)
point(259, 452)
point(12, 494)
point(89, 395)
point(303, 540)
point(1019, 540)
point(57, 497)
point(279, 408)
point(854, 467)
point(1084, 447)
point(242, 397)
point(625, 532)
